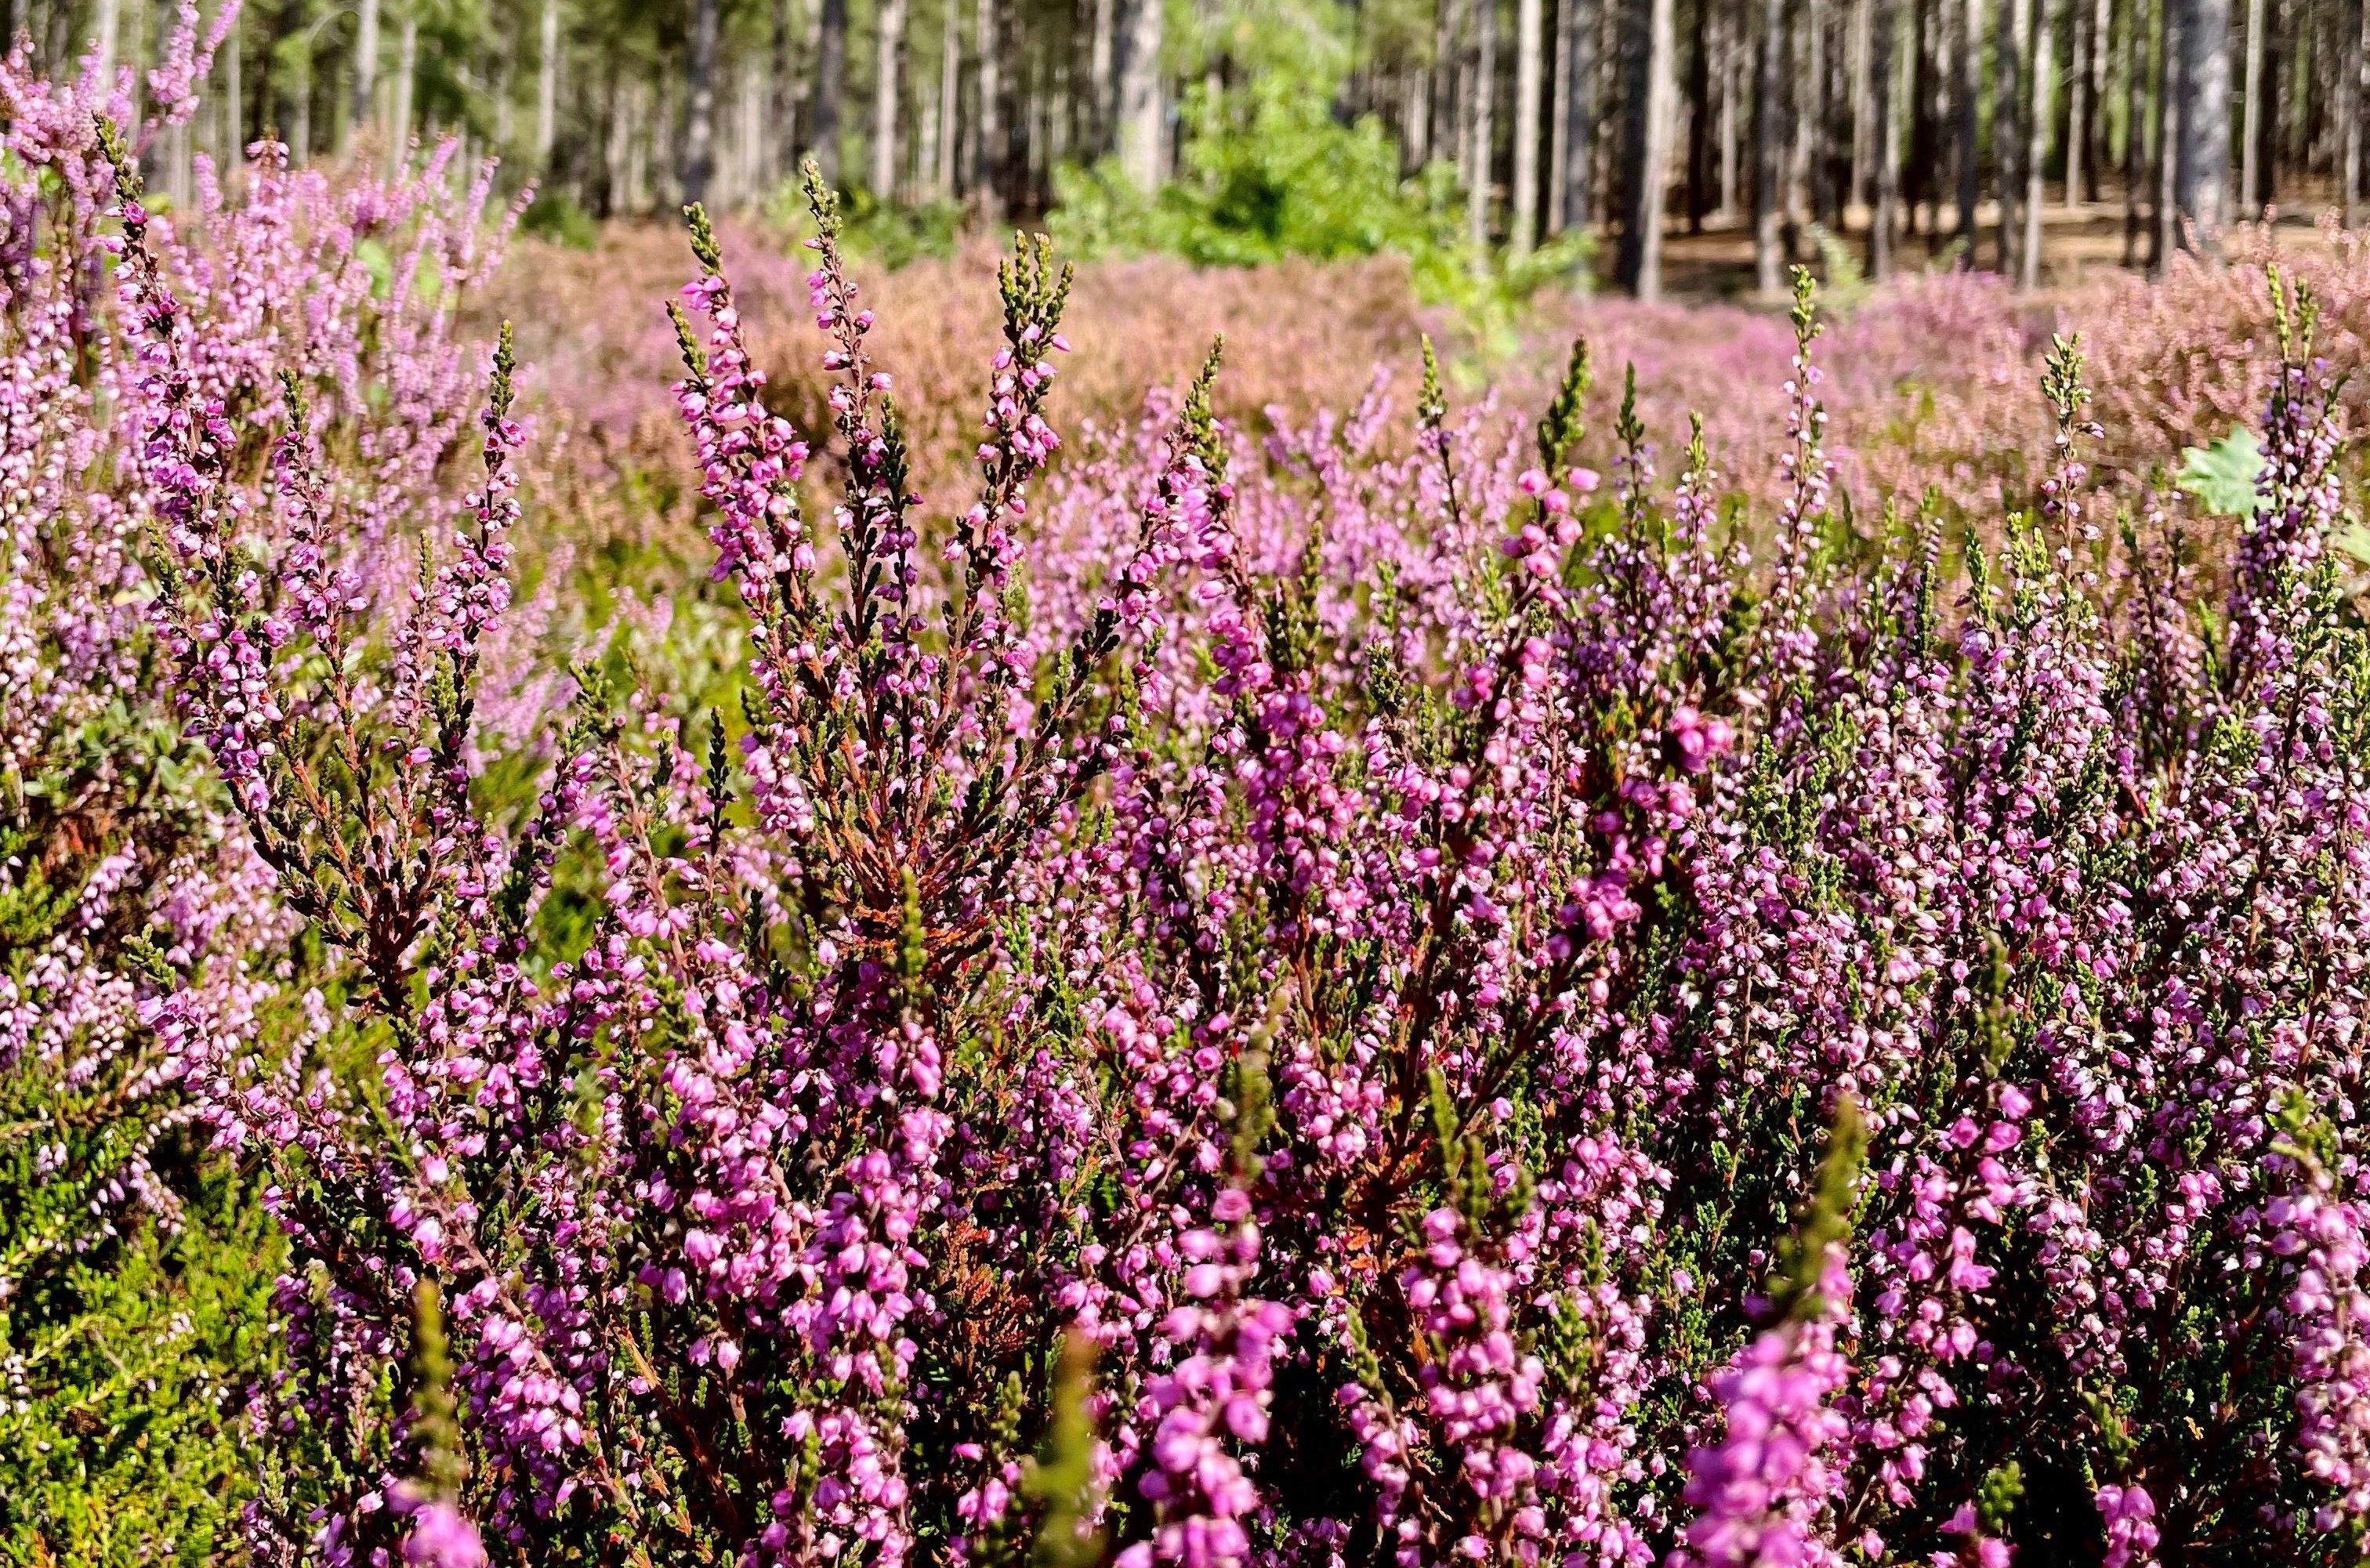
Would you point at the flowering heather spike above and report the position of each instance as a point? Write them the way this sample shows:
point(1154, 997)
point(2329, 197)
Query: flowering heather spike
point(1351, 924)
point(1201, 425)
point(1561, 427)
point(704, 249)
point(1430, 407)
point(1827, 1224)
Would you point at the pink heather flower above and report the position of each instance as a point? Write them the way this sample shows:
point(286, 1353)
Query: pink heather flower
point(2129, 1514)
point(442, 1537)
point(1763, 1491)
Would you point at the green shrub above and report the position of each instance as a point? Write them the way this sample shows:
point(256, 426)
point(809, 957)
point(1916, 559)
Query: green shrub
point(555, 216)
point(1269, 171)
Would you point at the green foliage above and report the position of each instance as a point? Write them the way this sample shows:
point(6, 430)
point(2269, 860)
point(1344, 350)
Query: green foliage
point(557, 216)
point(882, 233)
point(121, 1434)
point(2223, 476)
point(1061, 1478)
point(1268, 172)
point(127, 1343)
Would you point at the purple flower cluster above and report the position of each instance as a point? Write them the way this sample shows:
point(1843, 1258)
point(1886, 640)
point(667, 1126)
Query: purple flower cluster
point(1394, 942)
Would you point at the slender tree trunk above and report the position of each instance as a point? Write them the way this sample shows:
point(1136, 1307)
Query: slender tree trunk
point(1804, 78)
point(1522, 222)
point(2078, 102)
point(365, 62)
point(1699, 118)
point(1652, 95)
point(888, 51)
point(2094, 140)
point(2349, 111)
point(1913, 87)
point(1883, 71)
point(2039, 75)
point(827, 96)
point(546, 87)
point(300, 114)
point(1451, 84)
point(1769, 132)
point(1861, 185)
point(988, 181)
point(1558, 122)
point(407, 71)
point(1141, 119)
point(2201, 170)
point(1483, 132)
point(1578, 112)
point(1102, 50)
point(950, 102)
point(2171, 70)
point(782, 144)
point(700, 126)
point(2251, 117)
point(1732, 121)
point(1965, 83)
point(1839, 74)
point(2135, 104)
point(2014, 39)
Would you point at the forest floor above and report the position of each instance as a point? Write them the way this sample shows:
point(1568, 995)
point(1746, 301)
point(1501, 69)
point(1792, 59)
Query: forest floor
point(1715, 262)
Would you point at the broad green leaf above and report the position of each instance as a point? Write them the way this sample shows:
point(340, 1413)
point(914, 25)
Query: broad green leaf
point(2223, 476)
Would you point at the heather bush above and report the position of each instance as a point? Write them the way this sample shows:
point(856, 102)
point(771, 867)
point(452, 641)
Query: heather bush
point(1397, 987)
point(134, 1270)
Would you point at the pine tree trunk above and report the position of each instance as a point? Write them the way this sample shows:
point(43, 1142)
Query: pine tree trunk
point(2135, 100)
point(1831, 167)
point(1558, 124)
point(2165, 149)
point(2349, 111)
point(987, 180)
point(887, 56)
point(1913, 85)
point(1699, 119)
point(2039, 75)
point(1522, 222)
point(2013, 39)
point(2077, 104)
point(407, 71)
point(546, 87)
point(1483, 132)
point(1731, 122)
point(1578, 112)
point(1652, 95)
point(1141, 117)
point(950, 102)
point(699, 125)
point(2201, 170)
point(1804, 78)
point(2094, 140)
point(1103, 50)
point(1966, 75)
point(782, 150)
point(365, 61)
point(1861, 186)
point(1451, 71)
point(1768, 132)
point(1884, 72)
point(830, 90)
point(2251, 117)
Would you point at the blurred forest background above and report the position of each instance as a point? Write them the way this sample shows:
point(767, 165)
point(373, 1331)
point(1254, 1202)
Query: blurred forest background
point(1506, 141)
